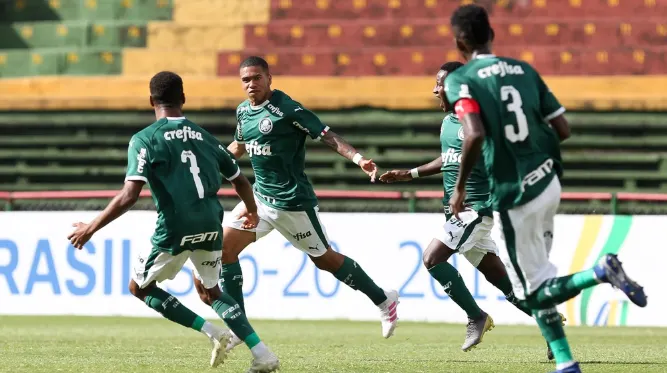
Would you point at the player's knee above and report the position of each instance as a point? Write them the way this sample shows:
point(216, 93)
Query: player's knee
point(210, 295)
point(435, 255)
point(492, 268)
point(137, 291)
point(330, 261)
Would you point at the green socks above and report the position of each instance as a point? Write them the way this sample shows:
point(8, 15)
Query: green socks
point(232, 282)
point(558, 290)
point(505, 285)
point(451, 281)
point(230, 312)
point(550, 324)
point(167, 305)
point(351, 274)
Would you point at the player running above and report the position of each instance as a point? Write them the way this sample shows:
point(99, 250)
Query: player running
point(272, 129)
point(182, 163)
point(504, 104)
point(470, 236)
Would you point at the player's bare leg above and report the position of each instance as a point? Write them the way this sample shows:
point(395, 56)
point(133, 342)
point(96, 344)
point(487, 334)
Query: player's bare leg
point(234, 241)
point(494, 271)
point(351, 274)
point(167, 305)
point(479, 322)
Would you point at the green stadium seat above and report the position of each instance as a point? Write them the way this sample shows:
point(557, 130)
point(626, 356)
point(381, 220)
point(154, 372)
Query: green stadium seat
point(30, 62)
point(116, 35)
point(43, 35)
point(92, 62)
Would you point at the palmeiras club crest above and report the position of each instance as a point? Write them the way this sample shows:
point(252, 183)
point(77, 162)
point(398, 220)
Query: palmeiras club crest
point(265, 126)
point(461, 133)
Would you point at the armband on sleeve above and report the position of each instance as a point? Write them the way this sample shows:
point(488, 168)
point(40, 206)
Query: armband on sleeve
point(466, 106)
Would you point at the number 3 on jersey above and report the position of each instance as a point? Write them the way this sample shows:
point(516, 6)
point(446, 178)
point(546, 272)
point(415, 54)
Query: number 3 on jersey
point(507, 92)
point(186, 156)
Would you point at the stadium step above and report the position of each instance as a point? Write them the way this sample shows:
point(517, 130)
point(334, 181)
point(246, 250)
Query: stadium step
point(227, 12)
point(41, 10)
point(434, 9)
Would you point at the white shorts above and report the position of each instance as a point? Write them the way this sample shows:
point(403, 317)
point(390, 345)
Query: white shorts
point(527, 233)
point(470, 236)
point(301, 228)
point(154, 265)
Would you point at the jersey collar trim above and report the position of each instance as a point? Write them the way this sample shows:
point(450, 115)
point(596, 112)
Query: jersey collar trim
point(480, 56)
point(175, 118)
point(260, 105)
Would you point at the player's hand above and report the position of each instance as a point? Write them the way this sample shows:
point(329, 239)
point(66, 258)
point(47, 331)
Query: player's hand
point(80, 236)
point(395, 175)
point(456, 202)
point(251, 219)
point(369, 167)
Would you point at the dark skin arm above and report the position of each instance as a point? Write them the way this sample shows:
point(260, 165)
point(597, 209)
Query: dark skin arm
point(428, 169)
point(474, 133)
point(342, 147)
point(119, 205)
point(243, 189)
point(561, 126)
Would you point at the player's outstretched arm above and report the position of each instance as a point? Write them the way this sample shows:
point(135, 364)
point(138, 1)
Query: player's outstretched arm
point(342, 147)
point(237, 149)
point(428, 169)
point(122, 202)
point(243, 189)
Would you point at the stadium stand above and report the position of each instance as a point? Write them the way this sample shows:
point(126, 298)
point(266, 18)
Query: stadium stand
point(73, 55)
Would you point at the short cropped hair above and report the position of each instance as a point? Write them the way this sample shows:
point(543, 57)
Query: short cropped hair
point(451, 66)
point(167, 89)
point(255, 61)
point(472, 25)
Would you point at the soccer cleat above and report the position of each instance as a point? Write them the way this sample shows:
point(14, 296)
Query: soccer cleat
point(475, 331)
point(389, 313)
point(571, 369)
point(233, 342)
point(550, 354)
point(218, 354)
point(265, 364)
point(609, 269)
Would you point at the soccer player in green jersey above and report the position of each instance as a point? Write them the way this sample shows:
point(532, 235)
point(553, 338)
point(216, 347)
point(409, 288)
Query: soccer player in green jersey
point(503, 105)
point(469, 236)
point(272, 129)
point(182, 163)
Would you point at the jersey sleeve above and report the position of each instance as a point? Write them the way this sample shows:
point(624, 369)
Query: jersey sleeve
point(550, 108)
point(306, 121)
point(138, 160)
point(238, 134)
point(456, 88)
point(228, 165)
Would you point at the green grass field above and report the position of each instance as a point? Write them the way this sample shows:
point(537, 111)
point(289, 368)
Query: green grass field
point(88, 344)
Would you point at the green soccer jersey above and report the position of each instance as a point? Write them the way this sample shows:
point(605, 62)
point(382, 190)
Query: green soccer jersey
point(182, 163)
point(521, 157)
point(477, 186)
point(274, 134)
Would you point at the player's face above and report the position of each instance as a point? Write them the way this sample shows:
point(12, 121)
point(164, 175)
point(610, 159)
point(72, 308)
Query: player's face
point(256, 82)
point(439, 90)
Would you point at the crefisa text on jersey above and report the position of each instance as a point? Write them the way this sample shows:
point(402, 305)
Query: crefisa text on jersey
point(184, 134)
point(501, 68)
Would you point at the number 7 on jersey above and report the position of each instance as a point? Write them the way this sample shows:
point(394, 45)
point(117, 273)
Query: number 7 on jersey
point(186, 156)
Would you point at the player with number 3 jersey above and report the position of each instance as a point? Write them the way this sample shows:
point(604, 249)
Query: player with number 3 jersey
point(504, 105)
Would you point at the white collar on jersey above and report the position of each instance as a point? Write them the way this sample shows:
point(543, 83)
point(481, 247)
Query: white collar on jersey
point(480, 56)
point(260, 105)
point(175, 118)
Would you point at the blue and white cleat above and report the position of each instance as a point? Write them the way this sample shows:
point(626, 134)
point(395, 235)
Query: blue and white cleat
point(609, 269)
point(571, 369)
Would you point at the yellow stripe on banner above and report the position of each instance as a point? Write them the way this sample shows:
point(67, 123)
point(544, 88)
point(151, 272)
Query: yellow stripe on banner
point(589, 234)
point(613, 310)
